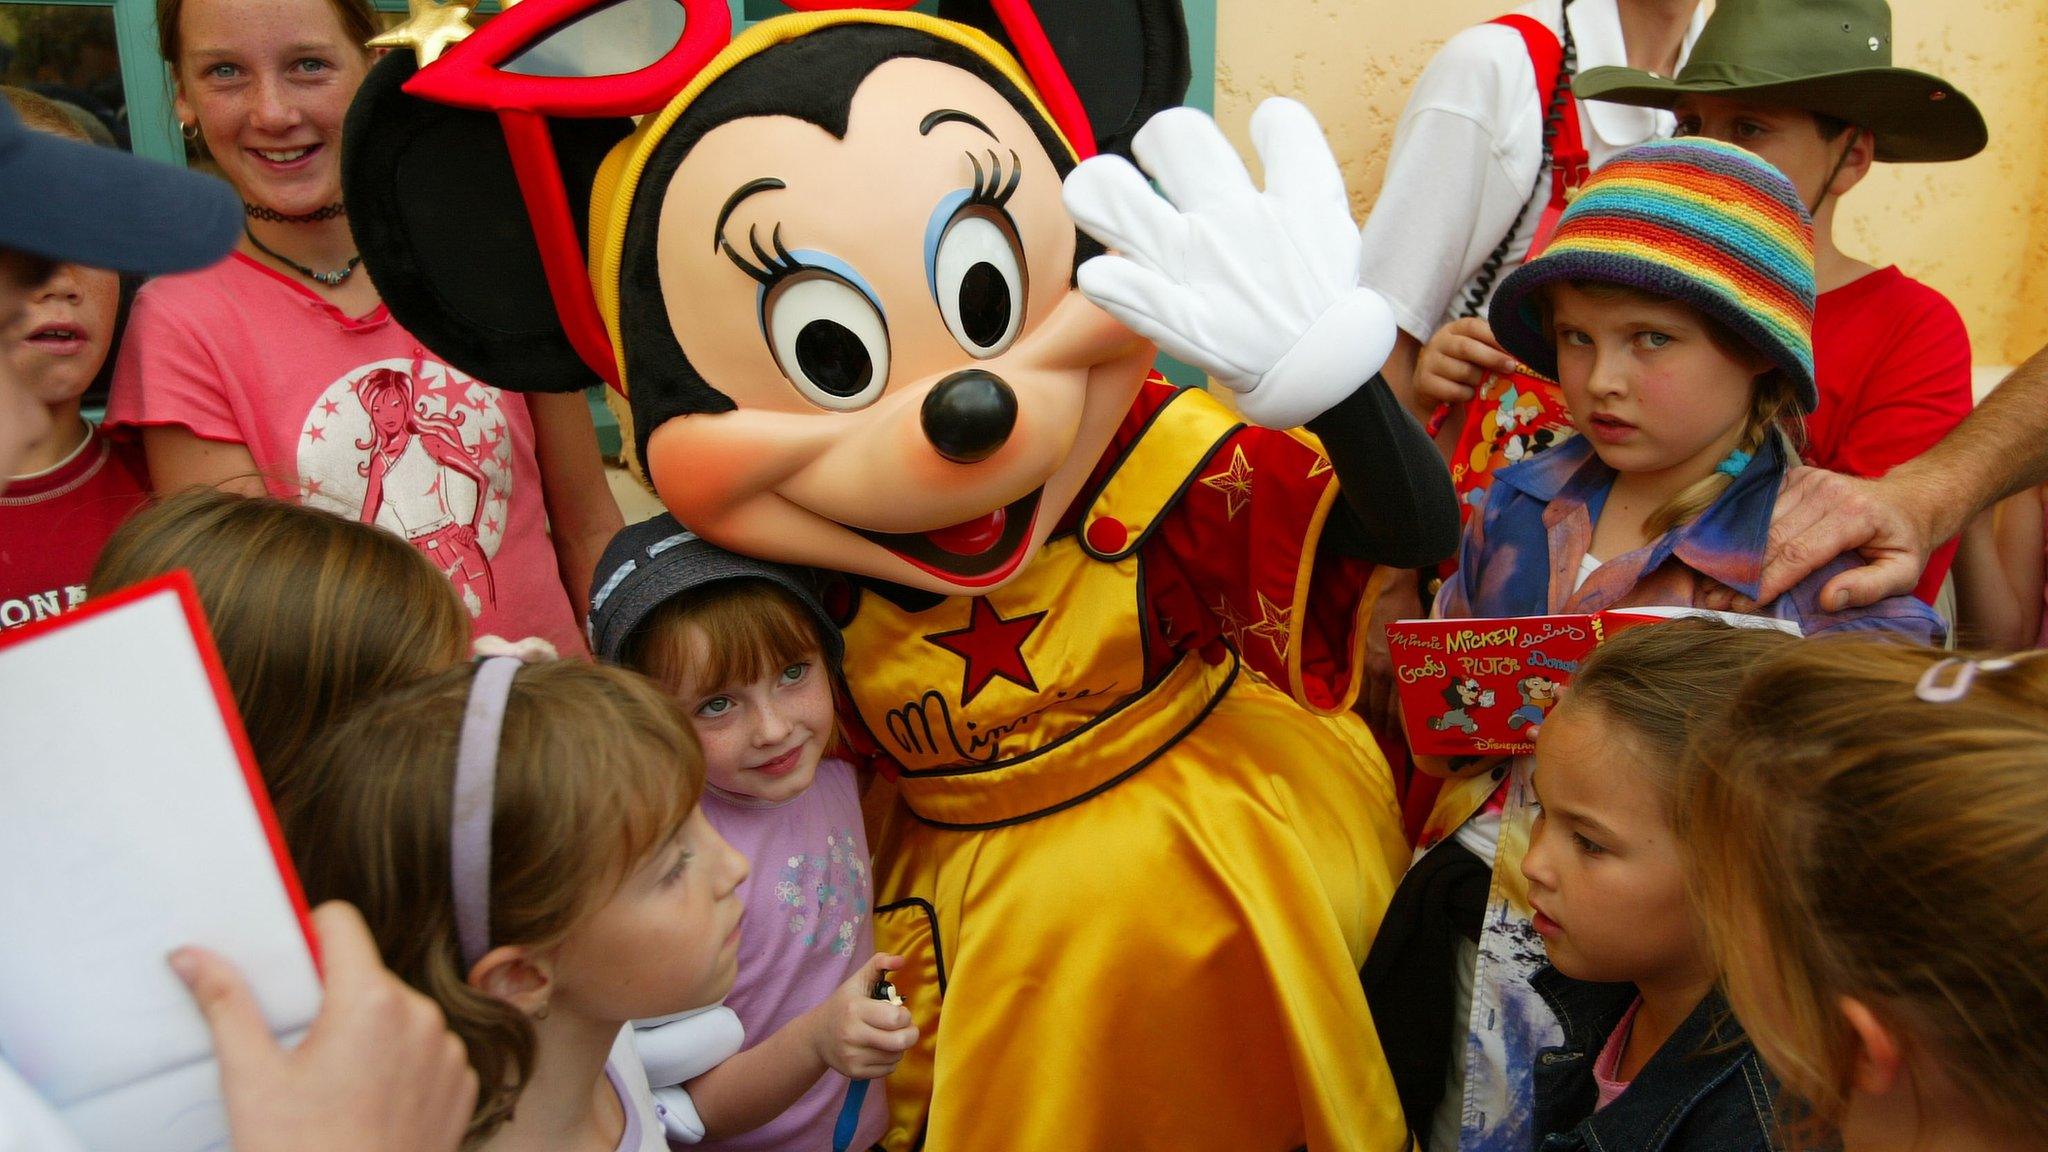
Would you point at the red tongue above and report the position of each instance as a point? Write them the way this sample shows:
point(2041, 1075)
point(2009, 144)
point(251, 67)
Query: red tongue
point(972, 538)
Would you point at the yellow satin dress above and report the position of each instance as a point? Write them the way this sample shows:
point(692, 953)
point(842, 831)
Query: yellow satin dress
point(1134, 884)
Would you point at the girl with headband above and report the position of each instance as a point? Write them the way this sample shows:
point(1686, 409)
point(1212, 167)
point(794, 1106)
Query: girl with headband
point(526, 845)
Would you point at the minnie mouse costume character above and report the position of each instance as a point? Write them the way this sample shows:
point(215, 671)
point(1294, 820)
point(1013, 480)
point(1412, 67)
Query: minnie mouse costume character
point(1101, 634)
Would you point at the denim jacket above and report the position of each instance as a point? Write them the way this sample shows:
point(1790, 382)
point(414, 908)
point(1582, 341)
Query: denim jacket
point(1704, 1090)
point(1521, 551)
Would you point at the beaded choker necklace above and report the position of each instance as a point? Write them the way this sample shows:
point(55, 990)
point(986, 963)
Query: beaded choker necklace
point(331, 279)
point(259, 212)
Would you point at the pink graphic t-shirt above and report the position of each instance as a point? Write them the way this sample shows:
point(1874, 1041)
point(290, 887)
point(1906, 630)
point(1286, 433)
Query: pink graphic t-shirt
point(355, 416)
point(808, 926)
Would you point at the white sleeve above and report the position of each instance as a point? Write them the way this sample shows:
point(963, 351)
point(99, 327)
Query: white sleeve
point(27, 1122)
point(677, 1049)
point(1464, 162)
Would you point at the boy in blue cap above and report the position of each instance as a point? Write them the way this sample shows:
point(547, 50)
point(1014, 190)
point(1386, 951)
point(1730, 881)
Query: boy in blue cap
point(72, 203)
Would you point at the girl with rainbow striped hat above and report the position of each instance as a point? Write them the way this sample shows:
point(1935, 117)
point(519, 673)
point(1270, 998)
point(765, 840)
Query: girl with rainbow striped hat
point(1675, 309)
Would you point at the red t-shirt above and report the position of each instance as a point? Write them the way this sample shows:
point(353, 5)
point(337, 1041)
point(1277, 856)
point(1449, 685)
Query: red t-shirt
point(1893, 361)
point(53, 525)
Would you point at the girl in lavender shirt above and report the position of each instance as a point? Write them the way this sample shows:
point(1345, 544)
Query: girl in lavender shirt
point(749, 652)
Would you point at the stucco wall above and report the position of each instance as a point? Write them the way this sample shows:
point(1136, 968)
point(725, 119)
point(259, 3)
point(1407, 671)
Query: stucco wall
point(1976, 230)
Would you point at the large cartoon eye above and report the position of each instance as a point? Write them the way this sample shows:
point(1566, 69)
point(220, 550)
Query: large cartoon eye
point(978, 277)
point(829, 339)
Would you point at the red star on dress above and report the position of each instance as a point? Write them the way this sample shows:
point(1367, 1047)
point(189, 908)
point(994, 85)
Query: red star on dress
point(309, 487)
point(1235, 484)
point(992, 646)
point(331, 407)
point(315, 432)
point(491, 526)
point(1272, 625)
point(1232, 621)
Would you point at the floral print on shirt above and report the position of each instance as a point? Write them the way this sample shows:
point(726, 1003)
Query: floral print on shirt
point(826, 894)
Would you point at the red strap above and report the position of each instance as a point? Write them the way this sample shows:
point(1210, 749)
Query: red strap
point(1047, 73)
point(1570, 163)
point(555, 233)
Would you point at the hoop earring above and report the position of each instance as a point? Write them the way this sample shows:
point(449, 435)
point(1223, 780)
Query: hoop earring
point(190, 130)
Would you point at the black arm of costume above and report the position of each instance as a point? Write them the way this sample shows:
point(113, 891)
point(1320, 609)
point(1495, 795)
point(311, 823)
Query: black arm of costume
point(1398, 507)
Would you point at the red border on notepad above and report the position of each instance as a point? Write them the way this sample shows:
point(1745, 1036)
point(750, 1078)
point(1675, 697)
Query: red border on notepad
point(180, 584)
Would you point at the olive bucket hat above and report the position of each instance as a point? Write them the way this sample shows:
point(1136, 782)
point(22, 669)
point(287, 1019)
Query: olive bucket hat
point(1833, 57)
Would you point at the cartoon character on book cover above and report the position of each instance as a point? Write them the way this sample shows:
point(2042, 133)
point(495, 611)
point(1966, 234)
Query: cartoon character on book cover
point(1462, 698)
point(1539, 695)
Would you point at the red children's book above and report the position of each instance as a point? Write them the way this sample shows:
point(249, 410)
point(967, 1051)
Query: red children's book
point(1479, 687)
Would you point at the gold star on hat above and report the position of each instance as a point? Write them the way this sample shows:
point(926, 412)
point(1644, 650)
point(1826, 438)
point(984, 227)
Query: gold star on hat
point(429, 29)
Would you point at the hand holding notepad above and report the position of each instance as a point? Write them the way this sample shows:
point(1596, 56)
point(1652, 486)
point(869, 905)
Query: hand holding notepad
point(378, 1070)
point(136, 824)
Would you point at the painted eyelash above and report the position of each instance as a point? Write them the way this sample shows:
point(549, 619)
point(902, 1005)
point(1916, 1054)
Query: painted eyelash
point(989, 188)
point(772, 270)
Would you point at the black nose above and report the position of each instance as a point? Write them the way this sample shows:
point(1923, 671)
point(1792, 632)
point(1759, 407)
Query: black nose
point(968, 415)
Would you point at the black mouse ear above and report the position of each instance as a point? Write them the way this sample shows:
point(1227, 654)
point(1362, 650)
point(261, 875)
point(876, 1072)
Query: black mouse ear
point(446, 236)
point(1127, 59)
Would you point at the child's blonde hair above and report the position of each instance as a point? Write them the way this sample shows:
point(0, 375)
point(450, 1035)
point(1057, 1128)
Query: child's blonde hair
point(752, 629)
point(1849, 838)
point(596, 768)
point(1773, 406)
point(1666, 683)
point(313, 614)
point(43, 114)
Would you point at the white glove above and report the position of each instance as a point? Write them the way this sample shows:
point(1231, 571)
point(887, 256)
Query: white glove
point(677, 1049)
point(1258, 289)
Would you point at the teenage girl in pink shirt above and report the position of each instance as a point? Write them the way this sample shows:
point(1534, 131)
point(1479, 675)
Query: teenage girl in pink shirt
point(280, 370)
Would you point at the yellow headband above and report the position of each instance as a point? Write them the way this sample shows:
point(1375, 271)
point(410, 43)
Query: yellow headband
point(611, 197)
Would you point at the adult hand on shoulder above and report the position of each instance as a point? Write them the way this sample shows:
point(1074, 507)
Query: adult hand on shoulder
point(377, 1072)
point(1259, 289)
point(1450, 368)
point(1822, 514)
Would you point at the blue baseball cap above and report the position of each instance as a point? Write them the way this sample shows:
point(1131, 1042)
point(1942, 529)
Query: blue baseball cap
point(84, 204)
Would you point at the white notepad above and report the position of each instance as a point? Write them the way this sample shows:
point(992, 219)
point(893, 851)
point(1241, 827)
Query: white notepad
point(133, 822)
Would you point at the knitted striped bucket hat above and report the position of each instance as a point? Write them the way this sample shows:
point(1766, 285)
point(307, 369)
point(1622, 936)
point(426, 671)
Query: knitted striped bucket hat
point(1693, 220)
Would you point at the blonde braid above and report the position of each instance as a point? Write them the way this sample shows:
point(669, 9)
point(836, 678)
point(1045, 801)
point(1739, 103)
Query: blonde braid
point(1773, 408)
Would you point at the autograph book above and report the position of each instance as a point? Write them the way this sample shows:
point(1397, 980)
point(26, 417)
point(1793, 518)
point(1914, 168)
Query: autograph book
point(1479, 687)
